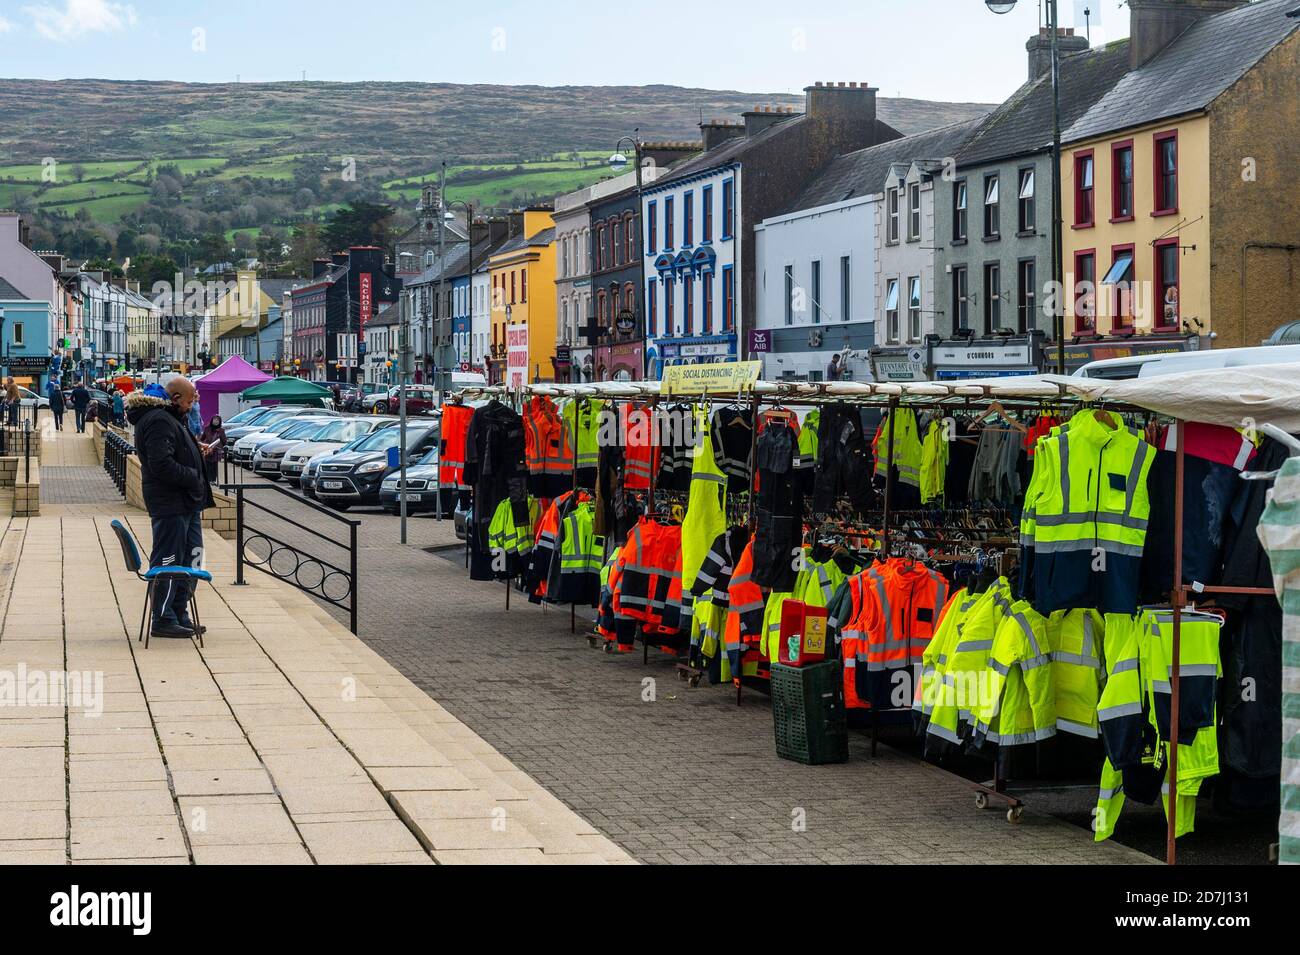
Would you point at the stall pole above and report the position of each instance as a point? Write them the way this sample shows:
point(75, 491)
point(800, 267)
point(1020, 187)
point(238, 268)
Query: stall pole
point(1178, 596)
point(889, 478)
point(753, 459)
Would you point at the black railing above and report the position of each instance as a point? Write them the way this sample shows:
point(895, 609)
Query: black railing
point(287, 561)
point(116, 450)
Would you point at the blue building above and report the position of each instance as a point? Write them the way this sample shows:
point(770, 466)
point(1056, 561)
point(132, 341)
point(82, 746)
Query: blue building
point(461, 320)
point(24, 337)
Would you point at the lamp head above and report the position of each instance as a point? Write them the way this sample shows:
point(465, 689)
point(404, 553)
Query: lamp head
point(1000, 6)
point(618, 161)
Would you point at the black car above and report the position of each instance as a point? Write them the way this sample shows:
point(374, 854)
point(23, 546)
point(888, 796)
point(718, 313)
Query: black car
point(356, 476)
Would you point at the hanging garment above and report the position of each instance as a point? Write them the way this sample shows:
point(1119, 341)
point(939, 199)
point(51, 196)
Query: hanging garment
point(576, 575)
point(1021, 703)
point(1250, 710)
point(582, 421)
point(907, 446)
point(510, 542)
point(545, 546)
point(731, 431)
point(901, 609)
point(1085, 517)
point(640, 449)
point(744, 623)
point(453, 430)
point(955, 674)
point(934, 462)
point(1078, 670)
point(843, 461)
point(778, 511)
point(1279, 529)
point(961, 461)
point(1212, 463)
point(547, 449)
point(495, 470)
point(993, 476)
point(676, 437)
point(807, 464)
point(706, 506)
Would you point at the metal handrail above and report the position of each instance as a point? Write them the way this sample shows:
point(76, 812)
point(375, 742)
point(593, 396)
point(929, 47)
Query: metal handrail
point(350, 546)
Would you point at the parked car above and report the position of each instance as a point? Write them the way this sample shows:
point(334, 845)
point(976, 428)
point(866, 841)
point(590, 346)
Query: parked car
point(273, 415)
point(461, 519)
point(421, 488)
point(242, 452)
point(30, 398)
point(356, 476)
point(420, 400)
point(268, 449)
point(310, 471)
point(330, 438)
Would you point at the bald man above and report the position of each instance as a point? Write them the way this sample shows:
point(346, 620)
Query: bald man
point(176, 491)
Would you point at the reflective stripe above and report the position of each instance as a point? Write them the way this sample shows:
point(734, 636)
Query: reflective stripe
point(1077, 729)
point(1063, 656)
point(1000, 667)
point(971, 645)
point(1124, 666)
point(1110, 793)
point(1135, 472)
point(1089, 545)
point(1063, 444)
point(1034, 663)
point(1080, 518)
point(1195, 669)
point(705, 476)
point(943, 732)
point(1118, 710)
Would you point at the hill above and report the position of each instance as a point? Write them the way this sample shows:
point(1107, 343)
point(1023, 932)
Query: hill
point(177, 160)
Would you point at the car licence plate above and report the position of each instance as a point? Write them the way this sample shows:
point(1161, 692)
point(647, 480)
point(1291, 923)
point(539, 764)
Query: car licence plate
point(412, 497)
point(331, 485)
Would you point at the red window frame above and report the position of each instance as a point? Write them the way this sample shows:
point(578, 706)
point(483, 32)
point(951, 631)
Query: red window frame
point(1157, 142)
point(688, 305)
point(706, 305)
point(1123, 320)
point(728, 298)
point(670, 310)
point(600, 307)
point(1079, 191)
point(652, 303)
point(1115, 149)
point(1161, 323)
point(1079, 326)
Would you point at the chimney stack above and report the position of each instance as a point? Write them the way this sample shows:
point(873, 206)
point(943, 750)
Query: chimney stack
point(319, 267)
point(852, 102)
point(1040, 49)
point(761, 117)
point(478, 231)
point(1154, 24)
point(717, 131)
point(498, 229)
point(667, 153)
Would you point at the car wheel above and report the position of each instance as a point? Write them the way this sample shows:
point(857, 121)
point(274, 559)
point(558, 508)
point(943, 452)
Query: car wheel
point(382, 407)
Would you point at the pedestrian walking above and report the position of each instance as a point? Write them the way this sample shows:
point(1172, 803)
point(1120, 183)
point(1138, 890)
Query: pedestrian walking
point(13, 400)
point(119, 408)
point(213, 443)
point(80, 402)
point(55, 394)
point(175, 493)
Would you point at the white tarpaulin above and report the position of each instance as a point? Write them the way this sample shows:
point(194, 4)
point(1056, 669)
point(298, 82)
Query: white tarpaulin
point(1235, 397)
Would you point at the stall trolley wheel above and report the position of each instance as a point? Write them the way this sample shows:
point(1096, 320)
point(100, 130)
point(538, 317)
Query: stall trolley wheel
point(695, 679)
point(981, 800)
point(593, 639)
point(1014, 814)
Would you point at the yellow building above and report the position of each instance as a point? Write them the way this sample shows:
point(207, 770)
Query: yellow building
point(522, 279)
point(1172, 179)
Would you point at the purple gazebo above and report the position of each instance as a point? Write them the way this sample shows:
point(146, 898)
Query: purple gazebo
point(233, 376)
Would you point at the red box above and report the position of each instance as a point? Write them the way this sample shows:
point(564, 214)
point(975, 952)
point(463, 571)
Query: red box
point(805, 626)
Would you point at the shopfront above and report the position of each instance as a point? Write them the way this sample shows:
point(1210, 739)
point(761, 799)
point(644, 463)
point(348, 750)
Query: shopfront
point(703, 350)
point(987, 358)
point(1079, 352)
point(898, 363)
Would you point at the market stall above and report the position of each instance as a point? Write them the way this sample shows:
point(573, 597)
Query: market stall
point(1004, 561)
point(220, 388)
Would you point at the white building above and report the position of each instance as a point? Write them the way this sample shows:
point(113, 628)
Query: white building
point(480, 318)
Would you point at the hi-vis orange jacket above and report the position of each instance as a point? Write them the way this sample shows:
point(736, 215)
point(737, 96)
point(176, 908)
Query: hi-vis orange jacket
point(640, 449)
point(547, 448)
point(900, 608)
point(745, 607)
point(451, 455)
point(648, 566)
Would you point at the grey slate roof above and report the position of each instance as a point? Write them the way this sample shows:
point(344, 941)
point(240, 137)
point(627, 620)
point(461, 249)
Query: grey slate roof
point(545, 237)
point(7, 291)
point(454, 258)
point(862, 172)
point(1023, 124)
point(1189, 74)
point(388, 315)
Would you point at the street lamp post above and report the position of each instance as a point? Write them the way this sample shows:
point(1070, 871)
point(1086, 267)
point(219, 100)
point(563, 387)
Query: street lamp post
point(469, 234)
point(618, 161)
point(1058, 268)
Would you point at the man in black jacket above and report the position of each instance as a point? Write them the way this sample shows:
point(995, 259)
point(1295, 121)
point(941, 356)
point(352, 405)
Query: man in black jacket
point(175, 490)
point(80, 399)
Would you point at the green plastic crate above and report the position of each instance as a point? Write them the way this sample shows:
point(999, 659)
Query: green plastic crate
point(808, 713)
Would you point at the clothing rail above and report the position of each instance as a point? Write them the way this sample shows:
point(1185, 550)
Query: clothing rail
point(1030, 394)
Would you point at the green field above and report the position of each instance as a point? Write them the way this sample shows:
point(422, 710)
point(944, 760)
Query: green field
point(31, 172)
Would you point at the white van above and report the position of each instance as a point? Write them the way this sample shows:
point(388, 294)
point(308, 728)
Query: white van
point(1145, 366)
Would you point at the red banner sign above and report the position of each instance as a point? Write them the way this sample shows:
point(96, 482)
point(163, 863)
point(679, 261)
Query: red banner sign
point(367, 300)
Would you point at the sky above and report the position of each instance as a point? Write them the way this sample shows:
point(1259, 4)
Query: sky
point(929, 49)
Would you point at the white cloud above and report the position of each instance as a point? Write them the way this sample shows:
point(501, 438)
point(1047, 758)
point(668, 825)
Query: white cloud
point(78, 17)
point(5, 25)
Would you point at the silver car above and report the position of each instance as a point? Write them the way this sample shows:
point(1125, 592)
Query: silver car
point(268, 454)
point(242, 453)
point(330, 438)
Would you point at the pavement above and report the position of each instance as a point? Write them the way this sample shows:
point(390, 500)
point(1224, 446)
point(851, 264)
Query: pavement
point(284, 740)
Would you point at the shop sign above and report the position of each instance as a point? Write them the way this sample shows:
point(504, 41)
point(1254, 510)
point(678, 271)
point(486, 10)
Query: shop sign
point(899, 364)
point(21, 363)
point(626, 321)
point(760, 340)
point(516, 356)
point(702, 350)
point(717, 377)
point(983, 354)
point(563, 355)
point(366, 283)
point(1079, 354)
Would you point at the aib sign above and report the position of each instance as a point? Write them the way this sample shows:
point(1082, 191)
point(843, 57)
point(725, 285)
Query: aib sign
point(760, 340)
point(366, 284)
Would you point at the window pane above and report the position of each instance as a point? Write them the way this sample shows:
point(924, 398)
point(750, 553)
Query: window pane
point(1027, 184)
point(991, 191)
point(914, 293)
point(961, 195)
point(891, 300)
